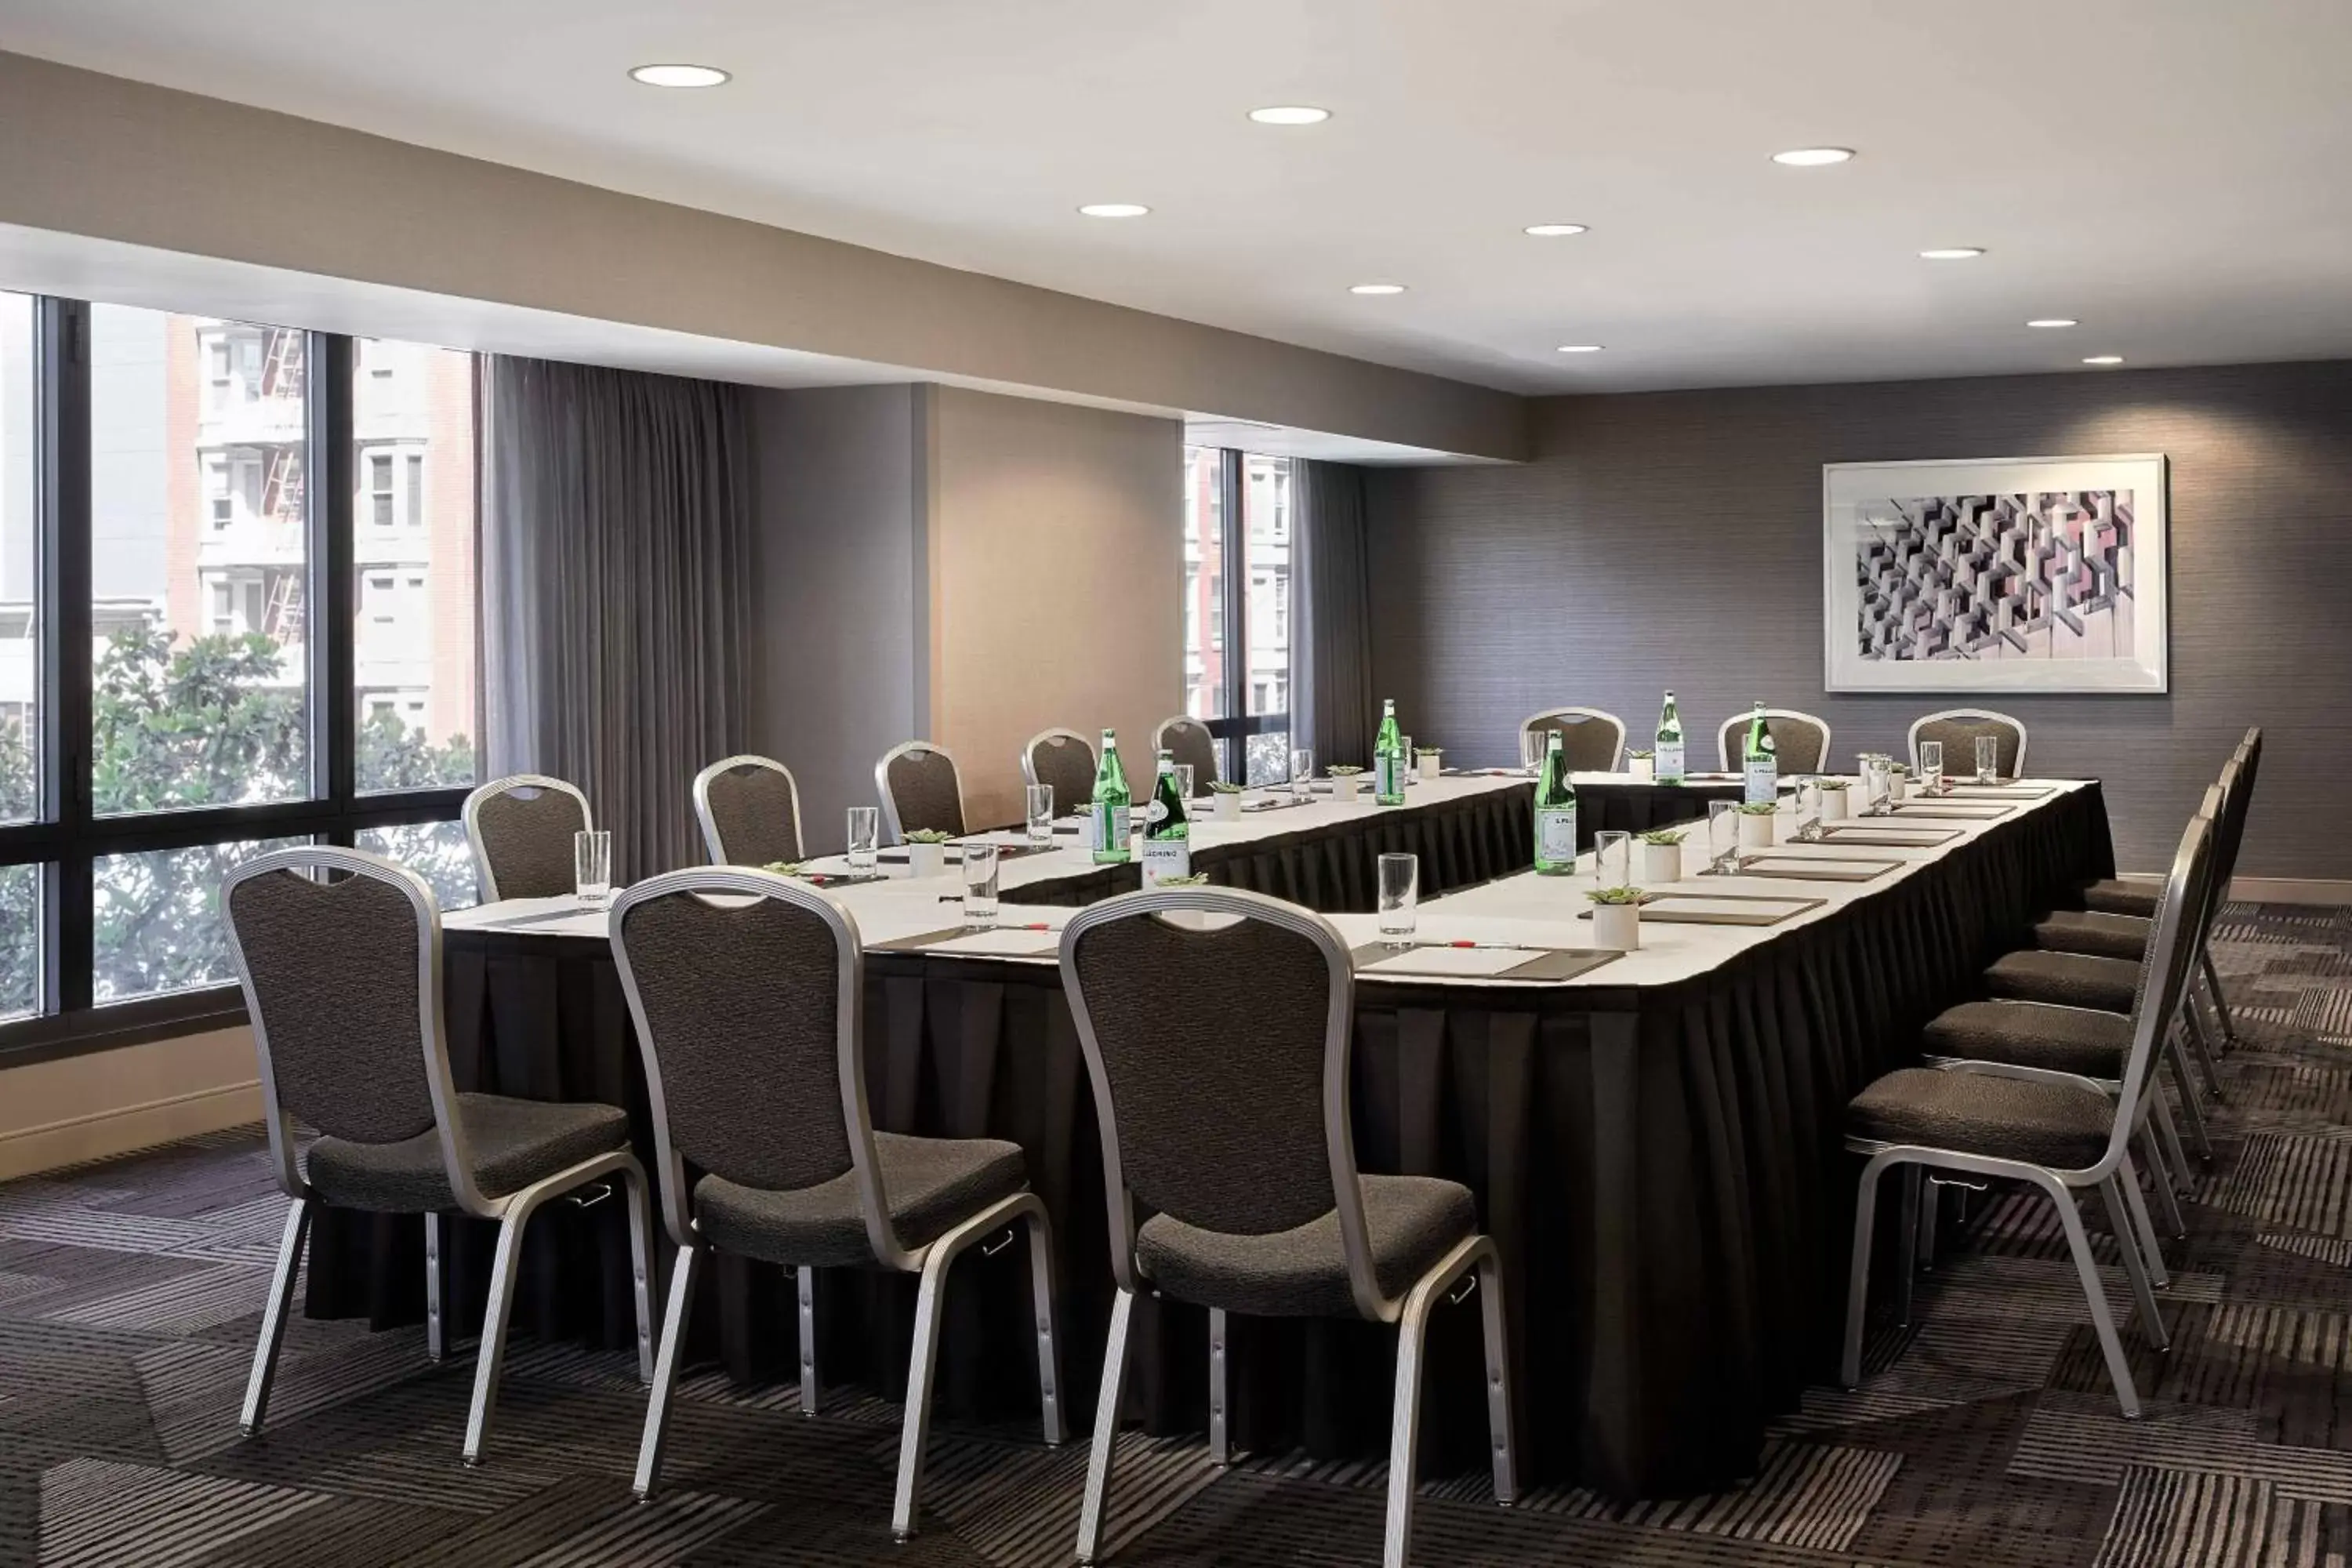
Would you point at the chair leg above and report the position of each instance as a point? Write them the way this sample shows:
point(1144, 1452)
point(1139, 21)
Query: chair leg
point(2190, 1107)
point(1097, 1501)
point(1857, 1296)
point(1931, 1213)
point(2143, 1227)
point(2160, 1182)
point(1913, 1179)
point(273, 1317)
point(2220, 1002)
point(641, 1268)
point(922, 1363)
point(1220, 1452)
point(2095, 1296)
point(683, 1271)
point(489, 1356)
point(1049, 1337)
point(436, 1342)
point(2129, 1251)
point(1405, 1430)
point(2203, 1047)
point(2175, 1169)
point(1500, 1432)
point(810, 1392)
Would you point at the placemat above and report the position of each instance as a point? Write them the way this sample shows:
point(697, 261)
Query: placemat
point(1828, 868)
point(1720, 909)
point(1547, 964)
point(1892, 835)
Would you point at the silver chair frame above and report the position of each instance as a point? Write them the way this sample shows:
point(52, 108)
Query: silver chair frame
point(1159, 743)
point(1724, 732)
point(2017, 768)
point(890, 802)
point(1589, 715)
point(1029, 761)
point(711, 841)
point(512, 1212)
point(931, 1261)
point(472, 813)
point(1475, 1256)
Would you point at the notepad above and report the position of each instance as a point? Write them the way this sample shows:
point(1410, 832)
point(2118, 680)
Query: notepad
point(1806, 868)
point(1698, 909)
point(1453, 963)
point(1000, 944)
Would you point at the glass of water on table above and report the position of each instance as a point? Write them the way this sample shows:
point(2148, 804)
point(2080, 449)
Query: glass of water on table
point(979, 878)
point(1040, 803)
point(1400, 896)
point(865, 835)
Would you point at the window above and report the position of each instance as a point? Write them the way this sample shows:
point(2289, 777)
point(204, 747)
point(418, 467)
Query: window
point(415, 491)
point(156, 923)
point(380, 498)
point(1204, 592)
point(1239, 579)
point(20, 580)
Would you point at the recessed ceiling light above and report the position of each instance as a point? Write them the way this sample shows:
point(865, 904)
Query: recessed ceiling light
point(1114, 209)
point(2103, 359)
point(1290, 114)
point(1952, 253)
point(1554, 231)
point(1377, 288)
point(1813, 157)
point(2053, 322)
point(1580, 348)
point(680, 76)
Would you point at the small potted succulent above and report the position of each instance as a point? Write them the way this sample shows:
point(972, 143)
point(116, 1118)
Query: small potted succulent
point(786, 867)
point(1344, 782)
point(1662, 856)
point(1833, 793)
point(1429, 762)
point(1898, 783)
point(1616, 918)
point(1225, 800)
point(1642, 765)
point(1755, 823)
point(927, 852)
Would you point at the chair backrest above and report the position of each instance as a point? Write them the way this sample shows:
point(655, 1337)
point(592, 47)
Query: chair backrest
point(2164, 973)
point(750, 808)
point(1219, 1059)
point(1593, 740)
point(745, 989)
point(2230, 829)
point(1190, 740)
point(1800, 741)
point(920, 791)
point(1958, 729)
point(342, 983)
point(520, 829)
point(1066, 760)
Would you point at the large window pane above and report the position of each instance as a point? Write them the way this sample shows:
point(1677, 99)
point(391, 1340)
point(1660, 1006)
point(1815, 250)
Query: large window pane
point(157, 918)
point(1204, 584)
point(435, 851)
point(20, 581)
point(199, 562)
point(413, 545)
point(1265, 511)
point(20, 940)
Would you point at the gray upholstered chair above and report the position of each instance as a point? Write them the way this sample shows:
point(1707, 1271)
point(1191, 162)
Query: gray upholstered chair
point(1065, 760)
point(747, 992)
point(519, 828)
point(1219, 1050)
point(1190, 740)
point(1800, 741)
point(1958, 730)
point(342, 982)
point(920, 791)
point(2054, 1131)
point(1594, 741)
point(749, 809)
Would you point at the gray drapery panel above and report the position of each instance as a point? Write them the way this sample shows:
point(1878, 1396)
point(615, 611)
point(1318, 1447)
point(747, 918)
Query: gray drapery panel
point(1331, 632)
point(616, 540)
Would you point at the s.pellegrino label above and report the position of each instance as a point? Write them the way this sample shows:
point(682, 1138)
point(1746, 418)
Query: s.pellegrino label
point(1555, 813)
point(1388, 759)
point(1107, 821)
point(1167, 835)
point(1668, 766)
point(1763, 762)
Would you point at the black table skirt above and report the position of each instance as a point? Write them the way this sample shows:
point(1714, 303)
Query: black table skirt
point(1661, 1168)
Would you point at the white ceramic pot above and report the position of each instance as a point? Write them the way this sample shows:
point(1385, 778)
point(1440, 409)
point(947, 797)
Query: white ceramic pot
point(1661, 864)
point(1644, 769)
point(1429, 766)
point(1833, 804)
point(1756, 829)
point(927, 859)
point(1617, 926)
point(1898, 787)
point(1226, 805)
point(1343, 788)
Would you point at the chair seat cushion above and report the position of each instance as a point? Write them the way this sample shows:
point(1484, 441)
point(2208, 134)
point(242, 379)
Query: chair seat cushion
point(2054, 1125)
point(1412, 1222)
point(2033, 1034)
point(512, 1142)
point(2094, 932)
point(2124, 897)
point(2068, 979)
point(929, 1185)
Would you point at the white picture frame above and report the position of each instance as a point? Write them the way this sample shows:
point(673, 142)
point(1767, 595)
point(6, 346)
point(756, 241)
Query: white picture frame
point(1926, 586)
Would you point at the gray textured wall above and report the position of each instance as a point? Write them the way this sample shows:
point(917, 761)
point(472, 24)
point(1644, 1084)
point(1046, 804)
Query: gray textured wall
point(1674, 539)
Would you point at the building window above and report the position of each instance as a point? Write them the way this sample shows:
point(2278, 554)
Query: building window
point(1248, 711)
point(416, 489)
point(379, 490)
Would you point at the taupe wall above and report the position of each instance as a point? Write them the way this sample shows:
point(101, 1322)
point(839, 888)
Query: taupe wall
point(1673, 540)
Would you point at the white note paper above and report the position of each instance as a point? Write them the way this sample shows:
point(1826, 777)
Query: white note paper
point(1684, 904)
point(1001, 944)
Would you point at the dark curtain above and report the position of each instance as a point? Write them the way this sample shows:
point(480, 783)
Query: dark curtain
point(616, 540)
point(1331, 635)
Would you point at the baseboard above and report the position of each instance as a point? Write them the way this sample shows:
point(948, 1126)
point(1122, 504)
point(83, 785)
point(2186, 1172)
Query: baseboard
point(2271, 890)
point(104, 1133)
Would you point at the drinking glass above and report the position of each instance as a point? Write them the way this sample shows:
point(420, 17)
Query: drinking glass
point(1532, 744)
point(865, 830)
point(1041, 814)
point(1400, 893)
point(1612, 859)
point(1722, 837)
point(1987, 759)
point(1302, 773)
point(1184, 781)
point(1877, 780)
point(1410, 776)
point(979, 883)
point(1931, 766)
point(1809, 805)
point(592, 864)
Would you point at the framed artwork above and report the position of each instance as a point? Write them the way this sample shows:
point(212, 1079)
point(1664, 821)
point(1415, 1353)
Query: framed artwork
point(1997, 575)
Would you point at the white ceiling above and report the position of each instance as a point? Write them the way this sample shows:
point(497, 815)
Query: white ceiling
point(2169, 171)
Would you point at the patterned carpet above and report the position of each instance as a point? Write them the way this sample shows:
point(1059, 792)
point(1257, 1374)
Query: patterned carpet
point(1984, 1436)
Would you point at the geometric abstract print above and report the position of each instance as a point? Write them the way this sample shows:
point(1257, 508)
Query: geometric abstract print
point(2042, 576)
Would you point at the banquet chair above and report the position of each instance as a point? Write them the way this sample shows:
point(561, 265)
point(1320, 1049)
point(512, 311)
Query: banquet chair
point(343, 982)
point(747, 1017)
point(1800, 741)
point(2055, 1131)
point(1190, 740)
point(1065, 760)
point(1593, 740)
point(749, 809)
point(519, 828)
point(1959, 729)
point(1219, 1054)
point(920, 790)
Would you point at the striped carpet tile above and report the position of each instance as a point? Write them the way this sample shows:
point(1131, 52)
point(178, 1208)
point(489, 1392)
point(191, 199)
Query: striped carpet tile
point(97, 1511)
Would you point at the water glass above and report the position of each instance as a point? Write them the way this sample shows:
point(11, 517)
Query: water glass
point(1612, 859)
point(1400, 895)
point(1409, 775)
point(1184, 781)
point(1878, 782)
point(864, 833)
point(1532, 746)
point(1809, 805)
point(1041, 815)
point(1931, 766)
point(592, 866)
point(1302, 773)
point(1987, 759)
point(1722, 837)
point(979, 883)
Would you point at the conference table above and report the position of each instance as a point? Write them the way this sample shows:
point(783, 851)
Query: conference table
point(1653, 1139)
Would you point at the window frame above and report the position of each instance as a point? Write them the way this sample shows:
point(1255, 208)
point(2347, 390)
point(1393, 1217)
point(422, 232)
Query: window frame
point(1236, 722)
point(65, 839)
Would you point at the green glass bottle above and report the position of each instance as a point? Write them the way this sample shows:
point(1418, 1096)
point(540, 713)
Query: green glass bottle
point(1388, 759)
point(1108, 827)
point(1167, 836)
point(1668, 767)
point(1555, 812)
point(1763, 760)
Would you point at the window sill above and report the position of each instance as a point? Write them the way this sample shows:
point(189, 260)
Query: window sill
point(27, 1041)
